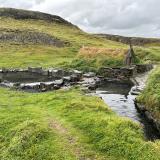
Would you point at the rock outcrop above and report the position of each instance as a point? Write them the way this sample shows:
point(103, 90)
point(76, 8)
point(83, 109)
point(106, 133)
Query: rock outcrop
point(24, 14)
point(29, 37)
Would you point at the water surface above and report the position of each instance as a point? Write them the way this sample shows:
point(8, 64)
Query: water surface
point(120, 100)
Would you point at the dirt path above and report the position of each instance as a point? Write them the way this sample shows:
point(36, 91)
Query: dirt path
point(71, 141)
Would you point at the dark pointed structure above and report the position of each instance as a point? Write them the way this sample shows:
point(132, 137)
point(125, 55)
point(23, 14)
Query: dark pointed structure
point(130, 56)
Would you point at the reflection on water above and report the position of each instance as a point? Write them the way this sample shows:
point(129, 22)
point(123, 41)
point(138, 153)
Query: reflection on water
point(118, 97)
point(24, 77)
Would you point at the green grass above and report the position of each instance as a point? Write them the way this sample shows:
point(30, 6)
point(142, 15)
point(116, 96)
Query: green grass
point(25, 131)
point(151, 95)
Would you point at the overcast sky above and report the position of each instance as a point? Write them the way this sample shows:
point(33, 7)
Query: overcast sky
point(124, 17)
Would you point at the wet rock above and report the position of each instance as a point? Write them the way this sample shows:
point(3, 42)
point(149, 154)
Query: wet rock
point(149, 116)
point(92, 86)
point(7, 84)
point(140, 107)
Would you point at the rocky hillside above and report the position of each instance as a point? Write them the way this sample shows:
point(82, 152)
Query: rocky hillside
point(24, 14)
point(137, 41)
point(28, 37)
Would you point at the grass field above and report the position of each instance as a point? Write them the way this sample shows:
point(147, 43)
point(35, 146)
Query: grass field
point(67, 125)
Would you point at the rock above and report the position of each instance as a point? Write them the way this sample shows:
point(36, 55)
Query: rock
point(135, 93)
point(77, 73)
point(140, 107)
point(56, 87)
point(58, 82)
point(89, 75)
point(57, 73)
point(35, 69)
point(7, 84)
point(17, 84)
point(67, 79)
point(45, 73)
point(4, 70)
point(149, 116)
point(92, 86)
point(75, 78)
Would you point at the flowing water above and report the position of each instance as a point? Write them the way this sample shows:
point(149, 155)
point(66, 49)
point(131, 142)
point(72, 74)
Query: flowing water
point(120, 100)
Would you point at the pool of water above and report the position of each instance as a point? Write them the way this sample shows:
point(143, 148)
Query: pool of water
point(24, 77)
point(120, 100)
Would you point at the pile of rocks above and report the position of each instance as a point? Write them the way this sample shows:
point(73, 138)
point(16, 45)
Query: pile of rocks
point(61, 78)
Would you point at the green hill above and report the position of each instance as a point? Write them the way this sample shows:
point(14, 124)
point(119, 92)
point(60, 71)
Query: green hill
point(64, 124)
point(36, 39)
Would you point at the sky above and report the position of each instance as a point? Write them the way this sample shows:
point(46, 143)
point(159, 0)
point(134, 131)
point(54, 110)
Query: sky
point(122, 17)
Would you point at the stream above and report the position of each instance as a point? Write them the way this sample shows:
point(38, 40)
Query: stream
point(119, 98)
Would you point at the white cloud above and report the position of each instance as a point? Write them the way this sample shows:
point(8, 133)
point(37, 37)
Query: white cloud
point(125, 17)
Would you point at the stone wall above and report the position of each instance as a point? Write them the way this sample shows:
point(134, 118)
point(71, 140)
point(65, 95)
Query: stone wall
point(144, 68)
point(124, 73)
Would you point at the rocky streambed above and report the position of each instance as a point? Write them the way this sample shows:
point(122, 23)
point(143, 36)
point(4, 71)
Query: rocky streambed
point(41, 80)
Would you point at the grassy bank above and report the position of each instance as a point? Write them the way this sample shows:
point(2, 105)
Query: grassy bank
point(67, 125)
point(151, 95)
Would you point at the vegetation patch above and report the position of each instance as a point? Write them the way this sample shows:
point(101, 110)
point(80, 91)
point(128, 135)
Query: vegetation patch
point(151, 95)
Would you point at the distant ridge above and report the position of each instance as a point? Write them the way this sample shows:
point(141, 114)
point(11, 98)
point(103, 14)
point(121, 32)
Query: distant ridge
point(138, 41)
point(26, 14)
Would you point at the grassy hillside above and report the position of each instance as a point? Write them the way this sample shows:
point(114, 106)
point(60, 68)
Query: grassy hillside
point(14, 54)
